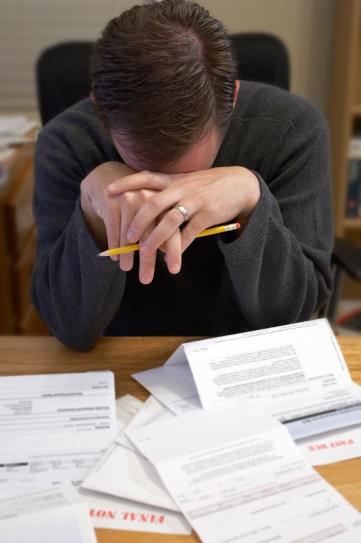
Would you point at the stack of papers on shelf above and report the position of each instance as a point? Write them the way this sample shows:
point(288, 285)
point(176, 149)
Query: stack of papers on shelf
point(13, 130)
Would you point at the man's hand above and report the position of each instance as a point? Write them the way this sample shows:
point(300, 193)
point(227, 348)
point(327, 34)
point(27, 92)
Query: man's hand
point(95, 201)
point(108, 218)
point(211, 197)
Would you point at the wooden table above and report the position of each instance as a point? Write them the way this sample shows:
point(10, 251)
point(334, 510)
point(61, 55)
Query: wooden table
point(124, 356)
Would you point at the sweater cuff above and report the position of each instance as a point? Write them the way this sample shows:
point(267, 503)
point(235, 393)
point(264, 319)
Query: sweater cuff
point(88, 249)
point(252, 237)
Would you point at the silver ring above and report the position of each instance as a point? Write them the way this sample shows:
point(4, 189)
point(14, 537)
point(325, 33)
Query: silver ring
point(183, 211)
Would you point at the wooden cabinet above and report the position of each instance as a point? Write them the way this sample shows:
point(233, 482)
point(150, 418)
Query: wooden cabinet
point(345, 115)
point(17, 246)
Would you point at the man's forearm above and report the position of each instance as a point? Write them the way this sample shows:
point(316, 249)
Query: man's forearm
point(276, 278)
point(76, 293)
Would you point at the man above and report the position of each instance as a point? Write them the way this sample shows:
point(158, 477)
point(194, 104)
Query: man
point(169, 145)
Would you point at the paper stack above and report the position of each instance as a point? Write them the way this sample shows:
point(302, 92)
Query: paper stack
point(54, 429)
point(232, 468)
point(218, 446)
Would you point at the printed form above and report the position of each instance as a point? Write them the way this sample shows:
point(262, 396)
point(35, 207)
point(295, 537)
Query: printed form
point(41, 516)
point(138, 499)
point(296, 373)
point(331, 447)
point(242, 479)
point(136, 479)
point(54, 428)
point(120, 514)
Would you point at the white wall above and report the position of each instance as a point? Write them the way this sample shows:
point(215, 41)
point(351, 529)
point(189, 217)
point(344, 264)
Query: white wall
point(305, 26)
point(28, 26)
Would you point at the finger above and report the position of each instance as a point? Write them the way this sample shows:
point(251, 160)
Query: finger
point(126, 260)
point(173, 250)
point(195, 226)
point(167, 226)
point(139, 180)
point(154, 208)
point(146, 267)
point(112, 225)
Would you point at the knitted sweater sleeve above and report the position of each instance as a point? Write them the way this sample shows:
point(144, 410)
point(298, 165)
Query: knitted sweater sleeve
point(75, 293)
point(278, 269)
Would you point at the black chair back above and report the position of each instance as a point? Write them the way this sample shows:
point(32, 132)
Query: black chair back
point(261, 57)
point(63, 77)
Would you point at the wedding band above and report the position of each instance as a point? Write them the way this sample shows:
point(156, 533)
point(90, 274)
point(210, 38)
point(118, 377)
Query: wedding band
point(183, 210)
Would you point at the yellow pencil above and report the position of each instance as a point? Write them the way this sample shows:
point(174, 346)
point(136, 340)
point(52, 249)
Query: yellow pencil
point(208, 232)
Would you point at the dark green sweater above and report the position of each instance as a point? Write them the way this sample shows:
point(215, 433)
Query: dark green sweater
point(276, 272)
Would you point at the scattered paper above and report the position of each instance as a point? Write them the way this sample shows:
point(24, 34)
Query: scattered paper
point(127, 407)
point(54, 428)
point(121, 514)
point(238, 476)
point(151, 411)
point(296, 372)
point(40, 516)
point(332, 447)
point(125, 473)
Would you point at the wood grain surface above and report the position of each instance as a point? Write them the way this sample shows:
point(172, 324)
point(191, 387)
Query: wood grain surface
point(124, 356)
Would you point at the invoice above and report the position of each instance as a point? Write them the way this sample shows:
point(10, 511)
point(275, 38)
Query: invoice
point(125, 473)
point(239, 479)
point(54, 428)
point(296, 372)
point(40, 516)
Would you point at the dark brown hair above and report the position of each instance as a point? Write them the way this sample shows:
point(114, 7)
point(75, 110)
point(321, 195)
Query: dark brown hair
point(161, 74)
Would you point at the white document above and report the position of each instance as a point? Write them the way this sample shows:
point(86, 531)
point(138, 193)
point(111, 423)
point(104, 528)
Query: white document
point(127, 407)
point(332, 447)
point(54, 428)
point(121, 514)
point(52, 515)
point(241, 478)
point(125, 473)
point(296, 372)
point(317, 411)
point(151, 411)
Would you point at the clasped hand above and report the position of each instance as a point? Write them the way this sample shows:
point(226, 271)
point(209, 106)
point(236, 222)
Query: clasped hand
point(140, 207)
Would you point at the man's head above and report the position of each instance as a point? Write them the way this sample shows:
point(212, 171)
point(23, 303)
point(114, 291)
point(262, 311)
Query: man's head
point(163, 80)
